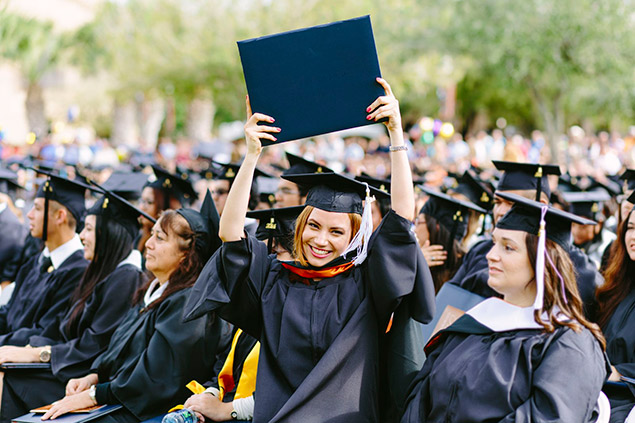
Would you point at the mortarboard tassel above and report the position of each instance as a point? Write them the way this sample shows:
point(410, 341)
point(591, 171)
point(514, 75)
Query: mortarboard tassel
point(360, 240)
point(540, 261)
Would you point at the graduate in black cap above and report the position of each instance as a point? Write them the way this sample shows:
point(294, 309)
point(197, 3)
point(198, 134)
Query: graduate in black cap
point(529, 181)
point(381, 205)
point(276, 228)
point(153, 354)
point(530, 357)
point(289, 194)
point(12, 231)
point(592, 240)
point(224, 180)
point(99, 303)
point(167, 191)
point(443, 221)
point(616, 317)
point(45, 283)
point(320, 317)
point(470, 188)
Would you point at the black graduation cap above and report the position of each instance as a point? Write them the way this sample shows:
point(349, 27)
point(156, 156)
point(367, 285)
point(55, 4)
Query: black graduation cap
point(475, 190)
point(299, 165)
point(587, 203)
point(525, 216)
point(205, 224)
point(178, 186)
point(228, 172)
point(277, 223)
point(8, 179)
point(334, 192)
point(322, 80)
point(380, 184)
point(629, 180)
point(127, 185)
point(113, 207)
point(69, 193)
point(525, 176)
point(451, 212)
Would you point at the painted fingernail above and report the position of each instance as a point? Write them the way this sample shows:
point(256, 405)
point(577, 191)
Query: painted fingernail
point(368, 109)
point(278, 129)
point(275, 139)
point(272, 120)
point(368, 118)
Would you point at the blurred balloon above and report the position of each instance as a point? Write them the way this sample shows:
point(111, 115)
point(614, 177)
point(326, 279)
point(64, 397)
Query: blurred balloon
point(447, 130)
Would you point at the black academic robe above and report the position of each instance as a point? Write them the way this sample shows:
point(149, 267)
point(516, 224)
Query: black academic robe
point(620, 348)
point(154, 354)
point(473, 273)
point(474, 374)
point(40, 299)
point(73, 349)
point(12, 236)
point(319, 354)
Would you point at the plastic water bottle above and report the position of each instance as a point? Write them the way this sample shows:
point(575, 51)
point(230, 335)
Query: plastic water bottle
point(180, 416)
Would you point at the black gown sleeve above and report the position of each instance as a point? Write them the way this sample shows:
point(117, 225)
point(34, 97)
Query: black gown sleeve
point(232, 282)
point(72, 358)
point(396, 268)
point(175, 353)
point(57, 304)
point(561, 391)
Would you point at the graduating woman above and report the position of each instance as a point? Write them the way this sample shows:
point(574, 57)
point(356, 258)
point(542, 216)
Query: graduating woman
point(101, 300)
point(530, 357)
point(616, 316)
point(320, 318)
point(153, 354)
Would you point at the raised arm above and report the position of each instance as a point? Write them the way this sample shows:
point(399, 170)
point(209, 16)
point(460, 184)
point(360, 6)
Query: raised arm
point(232, 222)
point(402, 193)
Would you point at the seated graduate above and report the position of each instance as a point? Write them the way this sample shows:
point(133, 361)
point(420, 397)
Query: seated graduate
point(152, 355)
point(319, 318)
point(531, 356)
point(45, 283)
point(100, 301)
point(167, 191)
point(529, 181)
point(443, 221)
point(12, 231)
point(616, 316)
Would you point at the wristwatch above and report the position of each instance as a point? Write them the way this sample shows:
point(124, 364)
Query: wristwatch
point(45, 355)
point(92, 393)
point(234, 415)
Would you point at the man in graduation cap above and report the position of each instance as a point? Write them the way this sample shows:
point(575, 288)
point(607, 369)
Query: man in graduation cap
point(45, 283)
point(290, 194)
point(223, 182)
point(529, 181)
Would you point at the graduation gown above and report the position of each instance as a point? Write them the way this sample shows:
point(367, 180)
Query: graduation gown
point(12, 236)
point(319, 354)
point(73, 349)
point(620, 348)
point(473, 274)
point(40, 299)
point(480, 372)
point(154, 354)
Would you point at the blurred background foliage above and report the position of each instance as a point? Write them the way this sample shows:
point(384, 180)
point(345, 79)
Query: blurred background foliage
point(539, 63)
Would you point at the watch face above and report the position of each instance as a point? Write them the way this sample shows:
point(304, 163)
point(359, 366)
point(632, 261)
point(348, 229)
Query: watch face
point(234, 414)
point(45, 356)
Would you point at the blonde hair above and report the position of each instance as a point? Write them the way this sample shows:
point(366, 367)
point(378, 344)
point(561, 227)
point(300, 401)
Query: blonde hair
point(300, 224)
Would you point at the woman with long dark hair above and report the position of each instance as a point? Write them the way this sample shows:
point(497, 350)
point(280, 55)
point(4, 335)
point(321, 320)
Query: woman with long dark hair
point(442, 223)
point(321, 317)
point(531, 356)
point(153, 354)
point(616, 317)
point(99, 303)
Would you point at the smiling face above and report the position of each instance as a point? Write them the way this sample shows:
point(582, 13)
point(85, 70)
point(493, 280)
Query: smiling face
point(510, 272)
point(325, 236)
point(163, 254)
point(88, 235)
point(629, 237)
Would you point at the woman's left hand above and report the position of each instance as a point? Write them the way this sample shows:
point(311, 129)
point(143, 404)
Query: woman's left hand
point(68, 404)
point(11, 354)
point(385, 106)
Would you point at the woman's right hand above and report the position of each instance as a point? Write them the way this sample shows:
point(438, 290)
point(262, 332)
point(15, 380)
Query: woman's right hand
point(75, 386)
point(435, 254)
point(254, 132)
